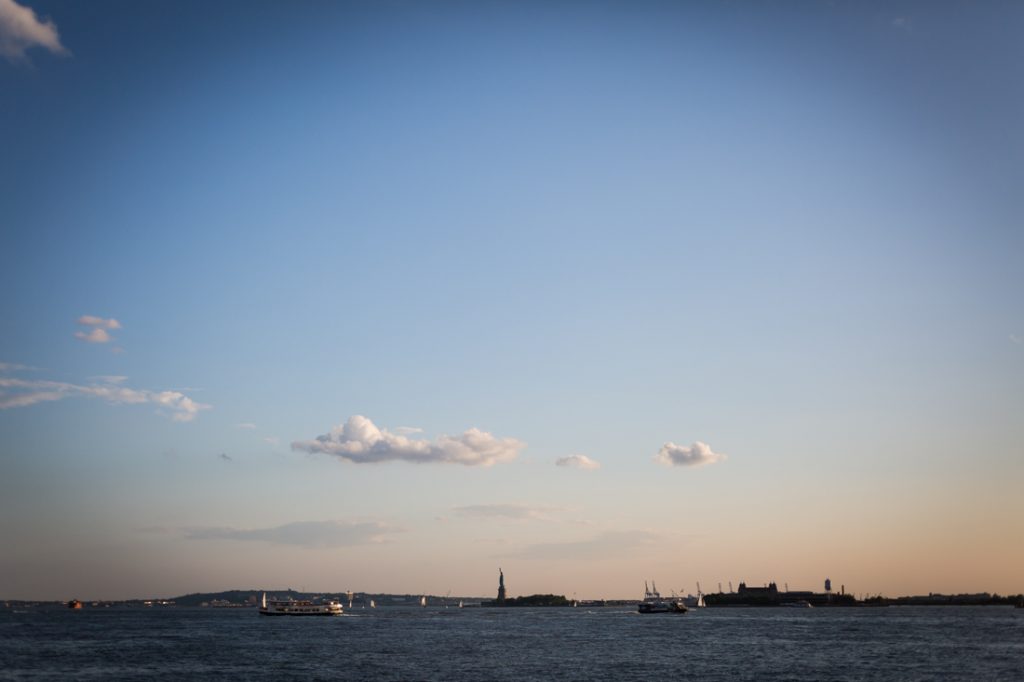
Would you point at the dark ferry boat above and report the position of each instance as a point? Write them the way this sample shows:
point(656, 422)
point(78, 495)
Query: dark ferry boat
point(654, 603)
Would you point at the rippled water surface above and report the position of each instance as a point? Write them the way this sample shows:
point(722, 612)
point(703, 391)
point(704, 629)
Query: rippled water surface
point(903, 643)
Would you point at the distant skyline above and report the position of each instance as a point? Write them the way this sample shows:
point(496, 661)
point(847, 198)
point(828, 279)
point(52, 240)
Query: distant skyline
point(380, 297)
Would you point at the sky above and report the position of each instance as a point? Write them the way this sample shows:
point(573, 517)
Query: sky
point(384, 296)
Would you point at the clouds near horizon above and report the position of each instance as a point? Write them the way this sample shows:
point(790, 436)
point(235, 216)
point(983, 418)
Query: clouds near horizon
point(360, 441)
point(302, 533)
point(506, 511)
point(607, 545)
point(698, 454)
point(21, 30)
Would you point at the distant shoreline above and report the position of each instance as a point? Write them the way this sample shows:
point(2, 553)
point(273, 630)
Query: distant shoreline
point(364, 600)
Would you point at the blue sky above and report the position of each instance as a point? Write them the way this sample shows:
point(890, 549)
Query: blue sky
point(786, 233)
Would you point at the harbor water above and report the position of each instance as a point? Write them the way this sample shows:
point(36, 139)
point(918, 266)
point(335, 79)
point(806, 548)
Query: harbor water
point(436, 643)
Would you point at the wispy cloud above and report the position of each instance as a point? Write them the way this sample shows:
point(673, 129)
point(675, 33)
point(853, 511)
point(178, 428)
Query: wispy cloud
point(303, 533)
point(697, 454)
point(577, 462)
point(98, 326)
point(607, 545)
point(359, 440)
point(506, 511)
point(23, 399)
point(245, 425)
point(110, 378)
point(21, 30)
point(99, 322)
point(14, 367)
point(155, 530)
point(408, 430)
point(22, 393)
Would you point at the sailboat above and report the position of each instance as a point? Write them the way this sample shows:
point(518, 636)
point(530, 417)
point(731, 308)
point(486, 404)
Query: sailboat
point(423, 600)
point(460, 604)
point(373, 604)
point(695, 602)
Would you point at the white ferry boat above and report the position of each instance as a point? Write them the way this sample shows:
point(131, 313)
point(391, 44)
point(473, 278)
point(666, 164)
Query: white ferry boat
point(302, 607)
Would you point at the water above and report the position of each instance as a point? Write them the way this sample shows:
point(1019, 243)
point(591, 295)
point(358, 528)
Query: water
point(904, 643)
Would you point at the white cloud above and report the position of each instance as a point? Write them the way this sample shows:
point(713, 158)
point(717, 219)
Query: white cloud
point(21, 30)
point(183, 408)
point(273, 440)
point(408, 430)
point(577, 462)
point(507, 511)
point(697, 454)
point(95, 336)
point(245, 425)
point(359, 440)
point(303, 533)
point(22, 393)
point(99, 326)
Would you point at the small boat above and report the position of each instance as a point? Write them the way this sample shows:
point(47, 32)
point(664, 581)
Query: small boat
point(654, 603)
point(799, 604)
point(299, 607)
point(373, 604)
point(423, 600)
point(74, 605)
point(460, 604)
